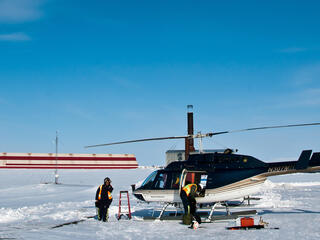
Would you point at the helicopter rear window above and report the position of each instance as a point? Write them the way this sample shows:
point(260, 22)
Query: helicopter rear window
point(175, 180)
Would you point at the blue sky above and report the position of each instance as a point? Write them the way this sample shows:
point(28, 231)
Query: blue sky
point(103, 71)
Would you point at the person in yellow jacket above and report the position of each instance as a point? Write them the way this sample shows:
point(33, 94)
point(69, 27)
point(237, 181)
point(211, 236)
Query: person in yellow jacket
point(188, 194)
point(104, 199)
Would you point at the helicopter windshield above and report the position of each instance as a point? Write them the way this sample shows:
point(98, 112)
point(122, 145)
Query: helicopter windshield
point(162, 180)
point(148, 182)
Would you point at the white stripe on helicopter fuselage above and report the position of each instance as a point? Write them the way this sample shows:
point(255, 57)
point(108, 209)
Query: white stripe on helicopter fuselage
point(232, 191)
point(229, 192)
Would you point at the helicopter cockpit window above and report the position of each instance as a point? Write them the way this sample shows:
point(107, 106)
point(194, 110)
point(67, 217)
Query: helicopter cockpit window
point(161, 181)
point(149, 180)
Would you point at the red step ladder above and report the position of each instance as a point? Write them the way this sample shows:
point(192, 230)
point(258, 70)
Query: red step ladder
point(121, 212)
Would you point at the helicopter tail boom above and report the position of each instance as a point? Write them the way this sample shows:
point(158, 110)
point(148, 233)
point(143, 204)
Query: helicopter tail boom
point(303, 164)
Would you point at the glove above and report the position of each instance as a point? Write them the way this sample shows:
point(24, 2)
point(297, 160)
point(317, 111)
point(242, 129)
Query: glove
point(97, 204)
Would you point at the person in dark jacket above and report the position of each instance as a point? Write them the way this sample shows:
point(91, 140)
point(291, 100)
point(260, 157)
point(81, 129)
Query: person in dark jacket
point(104, 199)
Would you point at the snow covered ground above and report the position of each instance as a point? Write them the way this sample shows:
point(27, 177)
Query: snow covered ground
point(29, 208)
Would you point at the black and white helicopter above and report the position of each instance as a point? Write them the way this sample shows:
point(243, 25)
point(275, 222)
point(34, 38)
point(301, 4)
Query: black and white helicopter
point(224, 176)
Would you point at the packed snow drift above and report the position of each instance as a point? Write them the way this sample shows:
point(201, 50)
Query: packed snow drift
point(31, 206)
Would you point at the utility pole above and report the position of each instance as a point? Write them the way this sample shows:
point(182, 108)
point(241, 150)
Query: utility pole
point(56, 176)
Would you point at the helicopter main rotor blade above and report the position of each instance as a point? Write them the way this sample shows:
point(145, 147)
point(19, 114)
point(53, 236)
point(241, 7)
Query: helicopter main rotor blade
point(204, 135)
point(137, 140)
point(260, 128)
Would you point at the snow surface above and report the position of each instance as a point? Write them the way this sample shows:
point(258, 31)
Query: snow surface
point(30, 207)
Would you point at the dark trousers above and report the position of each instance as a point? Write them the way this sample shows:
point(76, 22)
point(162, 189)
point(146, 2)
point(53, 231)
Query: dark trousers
point(103, 211)
point(188, 203)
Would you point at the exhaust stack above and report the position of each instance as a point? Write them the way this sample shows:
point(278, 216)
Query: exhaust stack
point(189, 143)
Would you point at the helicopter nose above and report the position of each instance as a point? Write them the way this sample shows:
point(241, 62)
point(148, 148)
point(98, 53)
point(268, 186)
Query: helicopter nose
point(139, 196)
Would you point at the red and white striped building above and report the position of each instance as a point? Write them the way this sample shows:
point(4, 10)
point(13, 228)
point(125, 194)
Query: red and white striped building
point(67, 161)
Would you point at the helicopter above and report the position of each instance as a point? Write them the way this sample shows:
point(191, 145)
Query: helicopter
point(223, 176)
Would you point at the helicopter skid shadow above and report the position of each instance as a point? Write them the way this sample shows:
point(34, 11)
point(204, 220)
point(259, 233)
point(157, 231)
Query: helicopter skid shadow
point(144, 212)
point(155, 213)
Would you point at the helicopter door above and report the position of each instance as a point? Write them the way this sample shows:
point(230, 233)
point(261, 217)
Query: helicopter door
point(197, 177)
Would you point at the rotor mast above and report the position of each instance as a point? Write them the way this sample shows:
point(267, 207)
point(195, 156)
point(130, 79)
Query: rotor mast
point(189, 143)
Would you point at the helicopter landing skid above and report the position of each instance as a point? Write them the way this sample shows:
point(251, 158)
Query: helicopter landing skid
point(206, 218)
point(231, 216)
point(211, 212)
point(162, 216)
point(163, 210)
